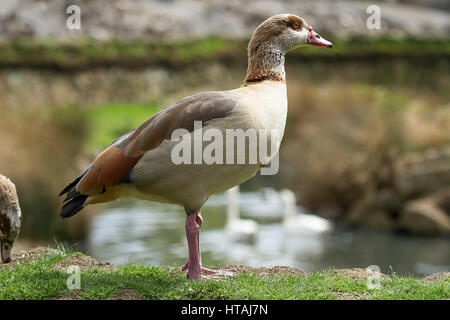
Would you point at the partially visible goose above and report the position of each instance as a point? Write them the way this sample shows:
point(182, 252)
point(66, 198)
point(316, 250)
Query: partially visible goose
point(10, 217)
point(238, 229)
point(139, 164)
point(300, 222)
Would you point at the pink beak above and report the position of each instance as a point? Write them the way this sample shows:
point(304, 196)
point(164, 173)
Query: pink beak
point(317, 40)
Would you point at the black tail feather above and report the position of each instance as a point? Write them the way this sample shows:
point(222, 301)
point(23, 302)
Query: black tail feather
point(73, 205)
point(73, 183)
point(74, 200)
point(70, 186)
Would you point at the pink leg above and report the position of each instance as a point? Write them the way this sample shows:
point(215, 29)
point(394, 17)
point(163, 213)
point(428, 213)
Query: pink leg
point(193, 238)
point(194, 264)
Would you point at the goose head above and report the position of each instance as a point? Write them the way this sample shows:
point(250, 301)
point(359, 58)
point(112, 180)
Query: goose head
point(270, 42)
point(10, 218)
point(286, 32)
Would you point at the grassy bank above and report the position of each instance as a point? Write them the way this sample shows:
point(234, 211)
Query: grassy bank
point(40, 274)
point(87, 53)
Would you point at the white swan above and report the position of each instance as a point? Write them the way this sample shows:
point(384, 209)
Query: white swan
point(300, 222)
point(239, 229)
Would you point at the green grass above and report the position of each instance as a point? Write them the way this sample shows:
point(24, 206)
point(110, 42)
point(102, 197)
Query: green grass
point(33, 280)
point(89, 53)
point(37, 280)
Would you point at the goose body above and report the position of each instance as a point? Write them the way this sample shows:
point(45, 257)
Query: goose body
point(10, 217)
point(141, 163)
point(156, 177)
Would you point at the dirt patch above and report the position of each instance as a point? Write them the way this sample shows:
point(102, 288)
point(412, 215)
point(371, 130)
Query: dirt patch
point(358, 274)
point(437, 276)
point(268, 272)
point(348, 296)
point(84, 262)
point(21, 257)
point(127, 294)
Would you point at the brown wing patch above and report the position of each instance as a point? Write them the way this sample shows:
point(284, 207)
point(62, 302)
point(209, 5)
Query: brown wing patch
point(107, 170)
point(181, 115)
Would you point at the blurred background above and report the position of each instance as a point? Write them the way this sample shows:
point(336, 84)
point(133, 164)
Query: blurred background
point(366, 149)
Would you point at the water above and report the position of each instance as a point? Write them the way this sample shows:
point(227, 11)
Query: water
point(131, 231)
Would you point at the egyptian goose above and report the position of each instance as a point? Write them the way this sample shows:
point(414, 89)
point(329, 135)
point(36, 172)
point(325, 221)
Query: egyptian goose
point(242, 230)
point(140, 163)
point(10, 217)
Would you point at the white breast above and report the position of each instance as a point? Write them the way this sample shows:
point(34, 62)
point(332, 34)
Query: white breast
point(264, 106)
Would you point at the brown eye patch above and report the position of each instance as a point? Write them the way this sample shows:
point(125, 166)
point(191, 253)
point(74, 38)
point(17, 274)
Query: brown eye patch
point(295, 23)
